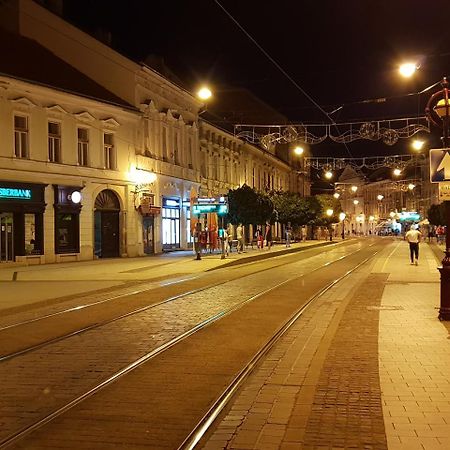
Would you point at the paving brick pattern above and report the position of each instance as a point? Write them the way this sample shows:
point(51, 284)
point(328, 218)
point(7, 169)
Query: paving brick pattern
point(347, 410)
point(37, 383)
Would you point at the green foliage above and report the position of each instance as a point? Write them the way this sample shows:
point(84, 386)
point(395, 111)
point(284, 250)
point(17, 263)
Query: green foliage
point(292, 207)
point(327, 202)
point(436, 214)
point(247, 206)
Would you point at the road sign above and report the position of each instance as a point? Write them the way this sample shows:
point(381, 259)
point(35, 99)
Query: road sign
point(439, 165)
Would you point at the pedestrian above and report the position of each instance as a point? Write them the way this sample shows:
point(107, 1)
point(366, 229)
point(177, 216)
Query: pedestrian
point(240, 238)
point(288, 232)
point(230, 237)
point(268, 235)
point(413, 237)
point(259, 237)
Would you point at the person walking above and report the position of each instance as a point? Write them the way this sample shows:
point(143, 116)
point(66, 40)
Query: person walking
point(230, 237)
point(288, 231)
point(268, 235)
point(240, 238)
point(413, 237)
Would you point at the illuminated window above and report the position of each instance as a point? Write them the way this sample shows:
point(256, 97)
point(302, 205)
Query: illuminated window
point(54, 142)
point(21, 137)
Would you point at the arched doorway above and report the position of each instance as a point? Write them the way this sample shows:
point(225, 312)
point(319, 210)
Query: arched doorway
point(106, 225)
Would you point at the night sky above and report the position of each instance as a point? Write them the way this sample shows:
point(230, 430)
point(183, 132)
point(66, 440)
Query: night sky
point(341, 52)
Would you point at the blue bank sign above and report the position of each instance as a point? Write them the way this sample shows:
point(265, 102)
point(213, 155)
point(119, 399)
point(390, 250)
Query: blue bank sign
point(15, 193)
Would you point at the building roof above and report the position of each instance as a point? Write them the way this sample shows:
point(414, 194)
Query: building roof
point(25, 59)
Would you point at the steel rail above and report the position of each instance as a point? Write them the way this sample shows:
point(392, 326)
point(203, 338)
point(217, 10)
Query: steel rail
point(208, 419)
point(42, 344)
point(15, 437)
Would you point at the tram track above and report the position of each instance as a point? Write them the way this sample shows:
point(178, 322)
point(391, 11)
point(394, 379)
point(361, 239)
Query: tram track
point(16, 327)
point(25, 431)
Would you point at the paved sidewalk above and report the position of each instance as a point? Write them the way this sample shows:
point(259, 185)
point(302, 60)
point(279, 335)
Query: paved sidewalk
point(367, 367)
point(24, 285)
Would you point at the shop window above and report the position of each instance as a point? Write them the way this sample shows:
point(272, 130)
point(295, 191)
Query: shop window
point(33, 244)
point(21, 137)
point(54, 142)
point(66, 233)
point(83, 146)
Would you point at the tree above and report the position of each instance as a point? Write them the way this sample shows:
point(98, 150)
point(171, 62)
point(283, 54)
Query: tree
point(247, 206)
point(436, 214)
point(328, 202)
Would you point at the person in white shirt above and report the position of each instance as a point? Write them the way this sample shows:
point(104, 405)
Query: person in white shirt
point(413, 237)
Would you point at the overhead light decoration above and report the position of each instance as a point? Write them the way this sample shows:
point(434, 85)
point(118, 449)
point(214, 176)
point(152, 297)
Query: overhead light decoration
point(389, 131)
point(354, 188)
point(329, 212)
point(299, 150)
point(397, 172)
point(355, 202)
point(380, 197)
point(411, 186)
point(328, 174)
point(336, 195)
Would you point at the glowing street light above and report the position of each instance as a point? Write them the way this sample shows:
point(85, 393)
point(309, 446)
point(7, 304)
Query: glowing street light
point(354, 188)
point(328, 174)
point(336, 195)
point(299, 150)
point(204, 93)
point(329, 212)
point(417, 144)
point(380, 197)
point(355, 202)
point(342, 216)
point(407, 70)
point(411, 186)
point(397, 172)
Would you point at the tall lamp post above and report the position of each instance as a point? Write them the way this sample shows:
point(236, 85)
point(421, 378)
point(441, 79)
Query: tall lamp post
point(438, 111)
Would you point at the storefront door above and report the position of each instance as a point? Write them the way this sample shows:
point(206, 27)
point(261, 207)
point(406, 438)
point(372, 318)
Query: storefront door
point(106, 225)
point(147, 228)
point(6, 237)
point(171, 223)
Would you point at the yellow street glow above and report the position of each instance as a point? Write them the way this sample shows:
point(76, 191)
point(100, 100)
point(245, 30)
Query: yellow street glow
point(299, 150)
point(342, 216)
point(397, 172)
point(411, 186)
point(418, 144)
point(329, 212)
point(354, 188)
point(407, 70)
point(336, 195)
point(204, 93)
point(328, 174)
point(380, 197)
point(355, 202)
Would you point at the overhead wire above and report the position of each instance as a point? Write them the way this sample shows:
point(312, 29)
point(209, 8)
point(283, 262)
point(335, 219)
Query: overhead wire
point(278, 66)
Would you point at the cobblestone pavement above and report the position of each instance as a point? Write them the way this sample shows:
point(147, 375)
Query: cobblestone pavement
point(37, 383)
point(367, 368)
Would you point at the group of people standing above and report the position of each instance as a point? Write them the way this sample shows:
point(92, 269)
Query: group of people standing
point(261, 236)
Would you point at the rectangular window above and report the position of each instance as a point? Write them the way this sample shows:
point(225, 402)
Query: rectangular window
point(108, 151)
point(54, 142)
point(83, 146)
point(67, 235)
point(21, 137)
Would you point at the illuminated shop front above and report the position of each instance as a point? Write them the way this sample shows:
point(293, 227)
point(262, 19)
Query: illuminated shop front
point(22, 209)
point(171, 208)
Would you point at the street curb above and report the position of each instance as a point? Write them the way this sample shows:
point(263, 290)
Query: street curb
point(268, 254)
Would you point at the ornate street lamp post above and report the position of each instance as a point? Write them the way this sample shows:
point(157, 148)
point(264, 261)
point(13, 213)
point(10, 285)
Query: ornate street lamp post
point(438, 111)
